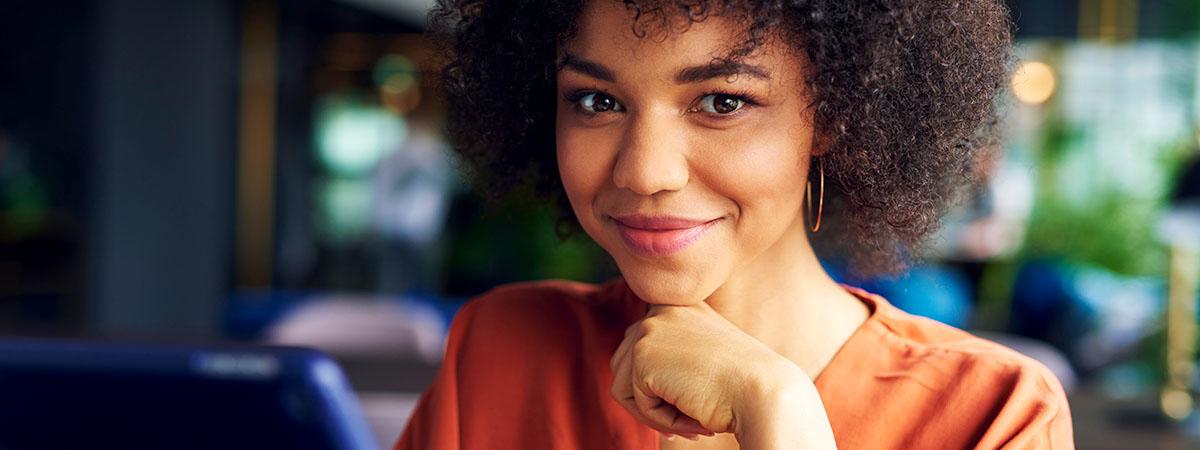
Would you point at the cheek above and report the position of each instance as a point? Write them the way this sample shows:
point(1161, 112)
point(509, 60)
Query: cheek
point(767, 174)
point(763, 169)
point(583, 163)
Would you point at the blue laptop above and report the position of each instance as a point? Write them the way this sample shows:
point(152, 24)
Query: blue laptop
point(75, 395)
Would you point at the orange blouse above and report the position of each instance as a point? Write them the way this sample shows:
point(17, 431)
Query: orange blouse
point(527, 367)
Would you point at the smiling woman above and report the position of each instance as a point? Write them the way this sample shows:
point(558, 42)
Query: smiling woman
point(689, 175)
point(679, 136)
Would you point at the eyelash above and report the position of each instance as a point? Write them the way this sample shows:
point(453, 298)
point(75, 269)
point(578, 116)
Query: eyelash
point(744, 96)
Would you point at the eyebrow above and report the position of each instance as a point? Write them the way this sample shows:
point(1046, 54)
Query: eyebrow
point(587, 67)
point(694, 74)
point(721, 69)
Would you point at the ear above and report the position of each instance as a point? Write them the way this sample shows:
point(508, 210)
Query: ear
point(821, 144)
point(822, 140)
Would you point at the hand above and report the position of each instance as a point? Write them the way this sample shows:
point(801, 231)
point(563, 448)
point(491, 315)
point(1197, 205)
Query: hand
point(687, 370)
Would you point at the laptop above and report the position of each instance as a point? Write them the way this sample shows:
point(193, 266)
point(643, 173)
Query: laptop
point(57, 394)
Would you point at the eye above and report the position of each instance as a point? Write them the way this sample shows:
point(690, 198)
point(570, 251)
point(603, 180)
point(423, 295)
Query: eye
point(597, 102)
point(721, 103)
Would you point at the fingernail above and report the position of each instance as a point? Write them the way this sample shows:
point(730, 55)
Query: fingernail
point(692, 437)
point(669, 436)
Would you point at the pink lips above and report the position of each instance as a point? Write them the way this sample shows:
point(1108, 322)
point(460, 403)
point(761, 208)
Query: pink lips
point(661, 235)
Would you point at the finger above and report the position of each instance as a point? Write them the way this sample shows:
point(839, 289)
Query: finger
point(632, 334)
point(622, 392)
point(688, 425)
point(658, 310)
point(672, 436)
point(665, 414)
point(633, 328)
point(630, 406)
point(654, 408)
point(620, 353)
point(622, 389)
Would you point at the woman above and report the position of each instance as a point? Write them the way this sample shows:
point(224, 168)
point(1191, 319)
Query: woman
point(682, 135)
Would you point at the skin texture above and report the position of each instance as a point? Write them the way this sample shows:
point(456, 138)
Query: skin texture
point(715, 352)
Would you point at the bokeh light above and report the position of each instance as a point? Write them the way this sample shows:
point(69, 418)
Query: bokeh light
point(1033, 82)
point(353, 137)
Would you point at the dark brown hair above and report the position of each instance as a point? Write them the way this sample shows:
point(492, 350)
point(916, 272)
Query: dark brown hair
point(904, 100)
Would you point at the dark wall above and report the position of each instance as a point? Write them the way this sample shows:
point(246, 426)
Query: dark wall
point(160, 196)
point(45, 81)
point(1045, 19)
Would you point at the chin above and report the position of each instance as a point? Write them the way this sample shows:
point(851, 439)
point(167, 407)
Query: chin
point(665, 288)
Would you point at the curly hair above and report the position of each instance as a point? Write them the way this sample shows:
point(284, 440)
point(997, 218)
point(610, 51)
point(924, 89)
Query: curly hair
point(904, 98)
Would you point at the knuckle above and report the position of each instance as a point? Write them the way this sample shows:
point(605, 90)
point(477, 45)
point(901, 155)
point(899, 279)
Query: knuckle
point(630, 330)
point(646, 382)
point(651, 323)
point(640, 351)
point(630, 406)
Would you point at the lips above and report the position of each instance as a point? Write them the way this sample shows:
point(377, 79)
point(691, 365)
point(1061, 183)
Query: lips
point(661, 235)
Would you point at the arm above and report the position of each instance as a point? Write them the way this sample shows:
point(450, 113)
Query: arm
point(687, 370)
point(434, 423)
point(787, 414)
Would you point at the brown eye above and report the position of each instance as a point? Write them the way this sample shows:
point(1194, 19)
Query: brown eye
point(595, 102)
point(721, 103)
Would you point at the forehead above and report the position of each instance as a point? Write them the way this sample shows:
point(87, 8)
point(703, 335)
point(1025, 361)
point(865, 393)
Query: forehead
point(606, 30)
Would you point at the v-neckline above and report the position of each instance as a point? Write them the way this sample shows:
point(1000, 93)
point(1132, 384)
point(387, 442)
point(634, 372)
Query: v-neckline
point(843, 352)
point(841, 358)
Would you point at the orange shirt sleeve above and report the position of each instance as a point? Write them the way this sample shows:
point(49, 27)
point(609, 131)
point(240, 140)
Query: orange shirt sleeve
point(526, 366)
point(1043, 430)
point(434, 423)
point(1035, 416)
point(906, 382)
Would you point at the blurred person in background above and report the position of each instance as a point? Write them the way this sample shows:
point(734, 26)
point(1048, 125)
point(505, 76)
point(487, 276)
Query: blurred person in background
point(702, 145)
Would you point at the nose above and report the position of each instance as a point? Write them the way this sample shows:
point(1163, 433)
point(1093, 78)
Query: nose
point(653, 158)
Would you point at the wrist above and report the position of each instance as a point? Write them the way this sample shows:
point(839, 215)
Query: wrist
point(773, 386)
point(784, 410)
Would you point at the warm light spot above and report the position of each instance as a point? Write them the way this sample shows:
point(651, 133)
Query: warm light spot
point(399, 86)
point(1176, 404)
point(1033, 82)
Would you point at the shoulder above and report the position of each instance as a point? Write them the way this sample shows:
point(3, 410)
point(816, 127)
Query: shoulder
point(973, 382)
point(538, 315)
point(519, 347)
point(970, 358)
point(916, 341)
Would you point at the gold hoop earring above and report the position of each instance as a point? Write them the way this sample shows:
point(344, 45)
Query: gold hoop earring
point(820, 199)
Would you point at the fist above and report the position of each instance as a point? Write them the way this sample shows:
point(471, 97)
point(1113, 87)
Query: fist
point(687, 370)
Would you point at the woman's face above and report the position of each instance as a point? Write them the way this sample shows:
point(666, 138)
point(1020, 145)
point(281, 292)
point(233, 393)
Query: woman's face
point(689, 173)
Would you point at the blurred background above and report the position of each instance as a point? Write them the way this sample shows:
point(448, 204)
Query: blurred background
point(274, 171)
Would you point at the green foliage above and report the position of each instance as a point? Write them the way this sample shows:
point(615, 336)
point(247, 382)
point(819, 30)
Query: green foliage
point(1173, 19)
point(1112, 229)
point(1116, 233)
point(515, 240)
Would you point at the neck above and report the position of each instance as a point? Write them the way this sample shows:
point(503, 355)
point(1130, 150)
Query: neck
point(787, 301)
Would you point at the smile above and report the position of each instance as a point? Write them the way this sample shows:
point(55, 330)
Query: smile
point(661, 236)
